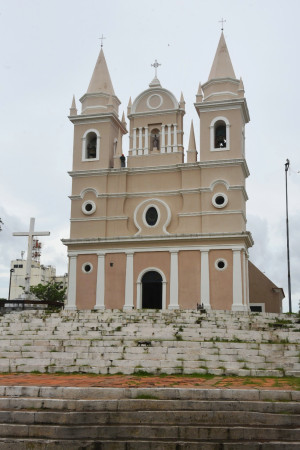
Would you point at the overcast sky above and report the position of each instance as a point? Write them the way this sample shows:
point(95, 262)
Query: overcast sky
point(48, 52)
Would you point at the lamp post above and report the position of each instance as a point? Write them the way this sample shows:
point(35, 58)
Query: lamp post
point(11, 272)
point(287, 165)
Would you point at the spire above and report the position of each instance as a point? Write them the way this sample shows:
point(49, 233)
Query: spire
point(192, 141)
point(192, 151)
point(73, 109)
point(100, 81)
point(182, 101)
point(129, 106)
point(123, 119)
point(199, 95)
point(222, 66)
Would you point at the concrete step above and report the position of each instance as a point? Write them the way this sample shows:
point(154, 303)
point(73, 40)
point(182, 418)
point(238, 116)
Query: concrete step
point(152, 418)
point(41, 444)
point(167, 432)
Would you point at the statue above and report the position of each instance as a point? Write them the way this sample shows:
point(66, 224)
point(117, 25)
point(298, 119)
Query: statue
point(155, 141)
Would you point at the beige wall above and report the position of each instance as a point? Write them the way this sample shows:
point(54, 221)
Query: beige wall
point(221, 280)
point(86, 282)
point(115, 280)
point(189, 279)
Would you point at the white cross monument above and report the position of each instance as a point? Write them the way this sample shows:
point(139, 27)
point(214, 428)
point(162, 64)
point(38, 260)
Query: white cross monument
point(30, 235)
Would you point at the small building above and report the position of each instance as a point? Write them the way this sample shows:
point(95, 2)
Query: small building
point(40, 274)
point(264, 295)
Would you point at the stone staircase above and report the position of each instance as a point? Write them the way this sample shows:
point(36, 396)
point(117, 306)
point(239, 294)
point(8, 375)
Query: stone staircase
point(171, 342)
point(158, 419)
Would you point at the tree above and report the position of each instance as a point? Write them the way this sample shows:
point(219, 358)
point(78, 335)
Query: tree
point(51, 292)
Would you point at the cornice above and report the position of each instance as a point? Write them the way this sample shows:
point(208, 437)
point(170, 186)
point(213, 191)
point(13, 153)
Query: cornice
point(154, 169)
point(97, 118)
point(245, 236)
point(169, 193)
point(222, 105)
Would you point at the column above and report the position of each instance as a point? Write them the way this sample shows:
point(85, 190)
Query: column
point(174, 280)
point(100, 289)
point(237, 300)
point(204, 281)
point(71, 300)
point(175, 138)
point(146, 146)
point(163, 141)
point(169, 149)
point(140, 149)
point(129, 283)
point(134, 143)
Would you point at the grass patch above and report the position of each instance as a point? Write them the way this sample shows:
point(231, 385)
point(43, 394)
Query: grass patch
point(146, 397)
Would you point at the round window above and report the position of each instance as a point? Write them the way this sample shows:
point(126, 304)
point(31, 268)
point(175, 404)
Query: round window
point(88, 207)
point(151, 216)
point(87, 267)
point(221, 264)
point(220, 200)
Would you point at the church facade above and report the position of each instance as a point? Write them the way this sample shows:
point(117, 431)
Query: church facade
point(164, 228)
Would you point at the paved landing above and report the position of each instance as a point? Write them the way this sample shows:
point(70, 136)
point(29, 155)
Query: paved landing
point(123, 381)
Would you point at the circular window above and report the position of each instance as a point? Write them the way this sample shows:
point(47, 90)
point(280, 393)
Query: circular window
point(221, 264)
point(151, 216)
point(87, 267)
point(88, 207)
point(220, 200)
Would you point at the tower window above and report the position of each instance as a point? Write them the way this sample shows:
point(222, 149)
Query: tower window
point(91, 145)
point(220, 135)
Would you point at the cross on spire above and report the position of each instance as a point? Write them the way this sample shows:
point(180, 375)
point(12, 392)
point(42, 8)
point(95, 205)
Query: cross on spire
point(222, 21)
point(155, 65)
point(101, 39)
point(30, 235)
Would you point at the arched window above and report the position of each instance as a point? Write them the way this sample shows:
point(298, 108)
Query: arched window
point(90, 145)
point(219, 134)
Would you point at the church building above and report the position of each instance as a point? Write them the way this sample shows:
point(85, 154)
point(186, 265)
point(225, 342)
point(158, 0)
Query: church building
point(165, 227)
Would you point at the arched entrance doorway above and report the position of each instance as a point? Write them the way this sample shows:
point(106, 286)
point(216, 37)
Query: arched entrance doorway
point(152, 290)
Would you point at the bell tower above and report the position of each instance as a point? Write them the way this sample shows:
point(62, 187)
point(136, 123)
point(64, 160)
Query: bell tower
point(222, 110)
point(97, 130)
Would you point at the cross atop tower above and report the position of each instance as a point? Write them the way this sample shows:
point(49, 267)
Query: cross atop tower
point(30, 235)
point(155, 65)
point(101, 39)
point(222, 21)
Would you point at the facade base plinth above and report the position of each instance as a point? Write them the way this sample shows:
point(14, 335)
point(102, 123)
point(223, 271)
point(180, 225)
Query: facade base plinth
point(128, 308)
point(70, 308)
point(241, 308)
point(99, 307)
point(172, 307)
